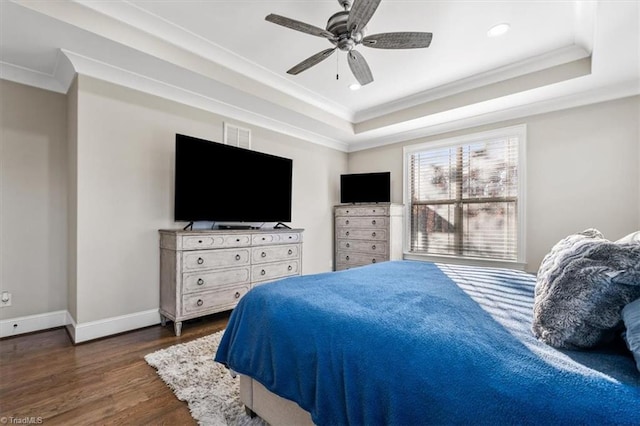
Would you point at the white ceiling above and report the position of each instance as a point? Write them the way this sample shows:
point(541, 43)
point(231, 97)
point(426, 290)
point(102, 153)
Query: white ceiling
point(224, 57)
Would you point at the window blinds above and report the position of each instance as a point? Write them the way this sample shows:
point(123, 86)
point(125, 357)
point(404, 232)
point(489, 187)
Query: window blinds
point(464, 199)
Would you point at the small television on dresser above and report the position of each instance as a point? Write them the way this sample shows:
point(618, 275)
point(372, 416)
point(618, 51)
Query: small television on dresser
point(223, 183)
point(365, 188)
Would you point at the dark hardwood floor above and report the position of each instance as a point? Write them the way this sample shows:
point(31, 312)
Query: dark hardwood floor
point(46, 379)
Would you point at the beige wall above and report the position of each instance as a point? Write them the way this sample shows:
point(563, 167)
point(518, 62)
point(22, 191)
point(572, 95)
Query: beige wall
point(72, 199)
point(101, 160)
point(125, 149)
point(582, 171)
point(33, 211)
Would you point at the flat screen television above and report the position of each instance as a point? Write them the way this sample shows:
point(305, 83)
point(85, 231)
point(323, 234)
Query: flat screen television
point(223, 183)
point(365, 187)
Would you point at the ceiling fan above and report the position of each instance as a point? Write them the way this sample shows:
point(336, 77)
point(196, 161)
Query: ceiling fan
point(346, 30)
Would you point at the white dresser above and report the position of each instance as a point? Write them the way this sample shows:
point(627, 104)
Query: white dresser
point(207, 271)
point(367, 233)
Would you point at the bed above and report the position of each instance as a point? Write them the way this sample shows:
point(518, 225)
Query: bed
point(411, 342)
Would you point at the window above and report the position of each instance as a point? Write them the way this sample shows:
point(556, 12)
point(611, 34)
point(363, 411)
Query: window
point(464, 196)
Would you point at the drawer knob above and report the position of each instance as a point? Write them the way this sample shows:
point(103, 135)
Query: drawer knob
point(200, 281)
point(374, 210)
point(237, 240)
point(348, 245)
point(373, 222)
point(347, 221)
point(373, 247)
point(290, 267)
point(373, 261)
point(199, 302)
point(373, 234)
point(347, 233)
point(237, 257)
point(263, 272)
point(290, 252)
point(290, 236)
point(237, 295)
point(199, 241)
point(200, 261)
point(263, 238)
point(347, 211)
point(263, 254)
point(347, 257)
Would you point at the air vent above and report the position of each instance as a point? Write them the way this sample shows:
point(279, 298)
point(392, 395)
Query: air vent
point(237, 136)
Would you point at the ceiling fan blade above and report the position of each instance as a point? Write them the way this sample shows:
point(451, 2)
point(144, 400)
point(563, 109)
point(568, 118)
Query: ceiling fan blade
point(298, 26)
point(311, 61)
point(408, 40)
point(360, 13)
point(359, 68)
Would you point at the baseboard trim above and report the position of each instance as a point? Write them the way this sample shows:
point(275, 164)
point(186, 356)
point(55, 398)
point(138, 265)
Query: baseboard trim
point(84, 332)
point(31, 323)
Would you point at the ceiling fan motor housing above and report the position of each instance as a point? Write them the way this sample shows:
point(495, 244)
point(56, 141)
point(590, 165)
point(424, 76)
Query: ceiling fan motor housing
point(344, 40)
point(346, 30)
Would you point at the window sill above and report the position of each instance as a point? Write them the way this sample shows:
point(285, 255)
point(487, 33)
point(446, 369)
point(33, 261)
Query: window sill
point(520, 266)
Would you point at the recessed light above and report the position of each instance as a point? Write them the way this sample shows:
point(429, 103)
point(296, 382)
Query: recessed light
point(498, 30)
point(354, 86)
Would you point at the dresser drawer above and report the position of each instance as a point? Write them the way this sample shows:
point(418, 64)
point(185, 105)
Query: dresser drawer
point(349, 259)
point(261, 255)
point(362, 222)
point(362, 211)
point(205, 271)
point(208, 259)
point(362, 234)
point(206, 241)
point(371, 247)
point(269, 271)
point(215, 300)
point(207, 280)
point(276, 238)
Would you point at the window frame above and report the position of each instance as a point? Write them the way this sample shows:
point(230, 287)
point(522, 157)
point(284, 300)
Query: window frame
point(519, 131)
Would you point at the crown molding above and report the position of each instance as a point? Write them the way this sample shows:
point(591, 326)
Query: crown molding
point(531, 65)
point(506, 108)
point(160, 28)
point(135, 49)
point(483, 116)
point(31, 77)
point(197, 98)
point(117, 42)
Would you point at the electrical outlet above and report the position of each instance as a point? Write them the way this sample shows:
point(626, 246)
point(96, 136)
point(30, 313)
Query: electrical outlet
point(5, 299)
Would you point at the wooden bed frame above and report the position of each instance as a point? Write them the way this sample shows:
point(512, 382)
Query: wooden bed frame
point(272, 408)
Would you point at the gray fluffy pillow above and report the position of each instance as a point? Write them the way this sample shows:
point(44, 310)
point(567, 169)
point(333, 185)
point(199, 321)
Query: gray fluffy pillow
point(631, 317)
point(582, 285)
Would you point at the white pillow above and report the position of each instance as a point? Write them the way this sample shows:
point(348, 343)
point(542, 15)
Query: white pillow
point(633, 237)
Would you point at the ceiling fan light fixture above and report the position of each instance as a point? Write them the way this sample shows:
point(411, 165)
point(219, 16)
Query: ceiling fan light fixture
point(346, 31)
point(498, 30)
point(355, 86)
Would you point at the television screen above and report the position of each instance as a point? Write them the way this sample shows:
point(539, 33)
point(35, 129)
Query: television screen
point(365, 188)
point(223, 183)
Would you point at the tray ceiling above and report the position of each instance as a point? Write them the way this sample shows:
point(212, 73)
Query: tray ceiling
point(224, 57)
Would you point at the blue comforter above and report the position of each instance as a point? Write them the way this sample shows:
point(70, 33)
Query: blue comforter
point(408, 343)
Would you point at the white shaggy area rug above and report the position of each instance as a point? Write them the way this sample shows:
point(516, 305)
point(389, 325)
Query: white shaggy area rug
point(212, 394)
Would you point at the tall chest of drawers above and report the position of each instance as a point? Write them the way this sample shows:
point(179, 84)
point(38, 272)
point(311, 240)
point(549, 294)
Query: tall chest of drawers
point(367, 233)
point(207, 271)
